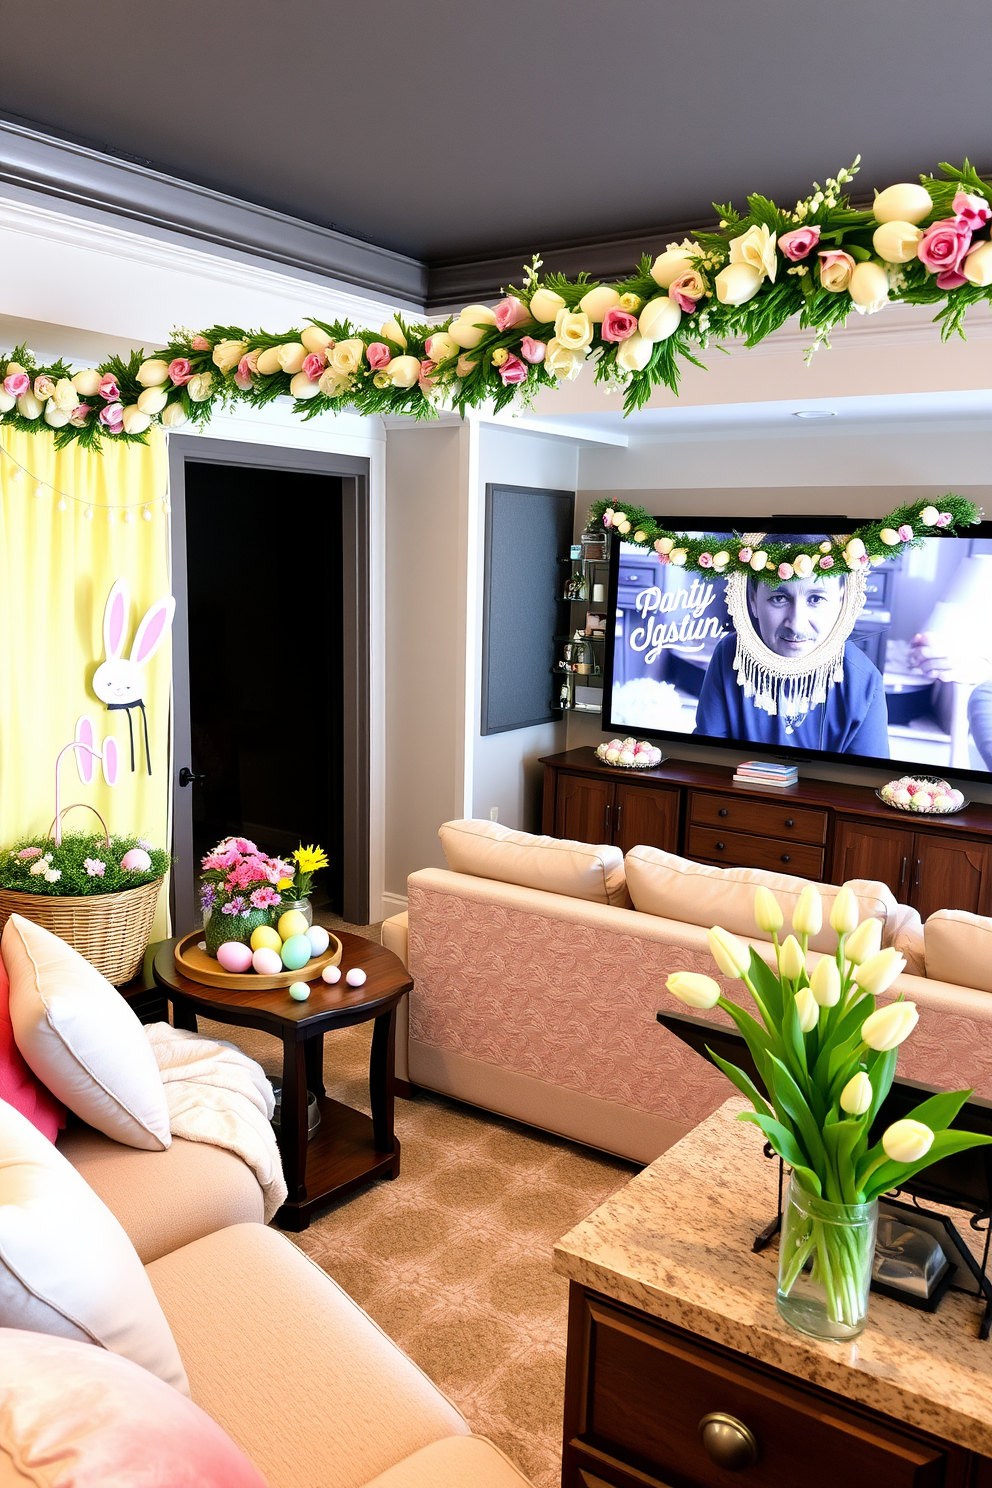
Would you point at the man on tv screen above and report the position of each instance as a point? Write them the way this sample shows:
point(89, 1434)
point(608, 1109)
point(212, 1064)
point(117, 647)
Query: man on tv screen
point(837, 703)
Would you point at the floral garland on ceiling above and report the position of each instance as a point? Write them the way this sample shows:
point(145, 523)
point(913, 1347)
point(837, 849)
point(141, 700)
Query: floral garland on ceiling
point(775, 563)
point(919, 244)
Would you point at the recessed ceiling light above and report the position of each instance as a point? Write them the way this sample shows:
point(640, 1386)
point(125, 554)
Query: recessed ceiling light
point(813, 413)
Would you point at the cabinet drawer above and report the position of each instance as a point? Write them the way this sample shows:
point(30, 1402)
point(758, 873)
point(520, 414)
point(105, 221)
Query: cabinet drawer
point(769, 818)
point(651, 1386)
point(739, 850)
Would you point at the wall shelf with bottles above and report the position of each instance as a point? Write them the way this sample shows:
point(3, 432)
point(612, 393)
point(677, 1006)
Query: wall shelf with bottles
point(585, 583)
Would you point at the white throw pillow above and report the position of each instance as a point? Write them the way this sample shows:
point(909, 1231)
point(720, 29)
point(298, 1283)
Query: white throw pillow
point(66, 1266)
point(676, 888)
point(959, 948)
point(81, 1039)
point(583, 870)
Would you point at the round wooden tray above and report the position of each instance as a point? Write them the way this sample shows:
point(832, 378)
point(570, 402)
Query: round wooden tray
point(200, 967)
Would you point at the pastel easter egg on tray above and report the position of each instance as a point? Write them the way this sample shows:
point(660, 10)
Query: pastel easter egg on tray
point(292, 923)
point(266, 961)
point(266, 937)
point(299, 991)
point(319, 939)
point(296, 952)
point(234, 956)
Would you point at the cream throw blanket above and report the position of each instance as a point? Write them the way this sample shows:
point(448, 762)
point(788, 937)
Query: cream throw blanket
point(216, 1094)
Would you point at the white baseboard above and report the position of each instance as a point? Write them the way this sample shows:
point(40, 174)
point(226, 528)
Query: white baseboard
point(393, 904)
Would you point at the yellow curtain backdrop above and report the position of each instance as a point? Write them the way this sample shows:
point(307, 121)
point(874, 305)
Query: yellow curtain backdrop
point(56, 571)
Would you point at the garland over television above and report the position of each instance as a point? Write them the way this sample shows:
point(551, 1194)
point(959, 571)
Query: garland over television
point(859, 659)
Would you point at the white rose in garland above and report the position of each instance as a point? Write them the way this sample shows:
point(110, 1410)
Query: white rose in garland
point(574, 329)
point(65, 397)
point(757, 248)
point(345, 357)
point(200, 386)
point(562, 362)
point(333, 383)
point(56, 418)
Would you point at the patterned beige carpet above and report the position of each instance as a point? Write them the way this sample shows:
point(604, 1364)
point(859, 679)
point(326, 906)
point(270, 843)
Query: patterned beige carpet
point(453, 1258)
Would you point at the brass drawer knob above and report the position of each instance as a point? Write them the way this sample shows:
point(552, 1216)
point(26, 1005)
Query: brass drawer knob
point(728, 1442)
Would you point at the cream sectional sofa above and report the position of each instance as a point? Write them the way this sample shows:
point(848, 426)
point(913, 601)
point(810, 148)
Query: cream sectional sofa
point(537, 980)
point(308, 1386)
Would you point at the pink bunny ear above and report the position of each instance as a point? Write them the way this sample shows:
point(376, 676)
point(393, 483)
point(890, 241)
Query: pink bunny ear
point(84, 760)
point(111, 760)
point(153, 629)
point(115, 618)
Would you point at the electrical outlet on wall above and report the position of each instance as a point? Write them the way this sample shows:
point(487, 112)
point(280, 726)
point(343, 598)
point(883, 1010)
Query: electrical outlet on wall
point(494, 813)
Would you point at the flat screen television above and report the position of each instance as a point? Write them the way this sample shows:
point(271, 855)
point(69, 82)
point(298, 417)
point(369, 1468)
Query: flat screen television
point(889, 665)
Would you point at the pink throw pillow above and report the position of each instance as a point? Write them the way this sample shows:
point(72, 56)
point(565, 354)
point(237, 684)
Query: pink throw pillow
point(18, 1086)
point(75, 1416)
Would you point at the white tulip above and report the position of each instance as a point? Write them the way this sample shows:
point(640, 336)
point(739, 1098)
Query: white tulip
point(890, 1026)
point(634, 354)
point(153, 400)
point(659, 318)
point(472, 324)
point(333, 383)
point(598, 301)
point(28, 406)
point(200, 387)
point(292, 355)
point(869, 287)
point(729, 953)
point(906, 202)
point(227, 354)
point(808, 1009)
point(174, 416)
point(55, 417)
point(768, 914)
point(977, 267)
point(441, 347)
point(87, 382)
point(674, 261)
point(151, 373)
point(792, 962)
point(65, 396)
point(404, 371)
point(7, 401)
point(561, 361)
point(825, 982)
point(844, 912)
point(737, 283)
point(857, 1095)
point(314, 339)
point(694, 989)
point(544, 305)
point(135, 422)
point(880, 971)
point(807, 917)
point(907, 1141)
point(896, 242)
point(864, 942)
point(757, 248)
point(392, 331)
point(268, 361)
point(302, 387)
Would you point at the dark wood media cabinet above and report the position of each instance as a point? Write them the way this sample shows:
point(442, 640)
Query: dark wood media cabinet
point(815, 829)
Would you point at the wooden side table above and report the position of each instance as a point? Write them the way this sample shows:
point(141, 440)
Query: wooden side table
point(349, 1148)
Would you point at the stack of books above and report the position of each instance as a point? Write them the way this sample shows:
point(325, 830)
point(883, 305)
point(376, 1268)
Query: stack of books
point(765, 772)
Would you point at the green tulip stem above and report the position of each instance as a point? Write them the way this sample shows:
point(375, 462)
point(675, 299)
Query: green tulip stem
point(778, 951)
point(766, 1017)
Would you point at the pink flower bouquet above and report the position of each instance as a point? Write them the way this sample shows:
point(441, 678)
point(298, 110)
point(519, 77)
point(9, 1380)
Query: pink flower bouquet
point(239, 890)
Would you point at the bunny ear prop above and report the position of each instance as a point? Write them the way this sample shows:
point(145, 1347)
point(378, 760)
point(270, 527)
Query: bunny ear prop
point(153, 629)
point(84, 756)
point(111, 760)
point(115, 618)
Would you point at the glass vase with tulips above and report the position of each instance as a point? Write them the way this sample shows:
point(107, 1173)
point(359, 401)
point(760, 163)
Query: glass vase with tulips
point(826, 1056)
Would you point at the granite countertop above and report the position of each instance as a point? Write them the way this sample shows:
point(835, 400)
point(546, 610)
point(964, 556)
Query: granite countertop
point(676, 1243)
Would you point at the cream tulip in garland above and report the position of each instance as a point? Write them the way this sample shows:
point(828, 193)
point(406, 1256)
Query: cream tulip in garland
point(926, 243)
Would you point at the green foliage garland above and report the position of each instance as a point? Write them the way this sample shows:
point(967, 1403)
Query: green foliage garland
point(737, 283)
point(69, 859)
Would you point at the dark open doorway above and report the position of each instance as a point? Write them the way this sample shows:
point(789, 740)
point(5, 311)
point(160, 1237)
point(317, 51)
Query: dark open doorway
point(271, 661)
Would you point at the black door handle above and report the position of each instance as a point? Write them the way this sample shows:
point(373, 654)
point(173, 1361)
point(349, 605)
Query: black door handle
point(187, 777)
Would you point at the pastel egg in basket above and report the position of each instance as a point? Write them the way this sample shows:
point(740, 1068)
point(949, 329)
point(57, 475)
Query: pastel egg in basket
point(926, 795)
point(629, 754)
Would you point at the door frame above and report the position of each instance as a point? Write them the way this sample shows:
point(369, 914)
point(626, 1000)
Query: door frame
point(354, 472)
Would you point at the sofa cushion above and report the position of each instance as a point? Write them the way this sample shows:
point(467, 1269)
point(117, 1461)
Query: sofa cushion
point(164, 1199)
point(453, 1463)
point(959, 948)
point(579, 869)
point(66, 1266)
point(77, 1417)
point(82, 1039)
point(695, 893)
point(19, 1087)
point(396, 936)
point(303, 1381)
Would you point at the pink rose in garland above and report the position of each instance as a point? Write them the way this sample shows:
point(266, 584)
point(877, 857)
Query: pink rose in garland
point(314, 364)
point(618, 324)
point(510, 312)
point(799, 243)
point(942, 249)
point(108, 389)
point(247, 369)
point(425, 379)
point(200, 343)
point(180, 371)
point(532, 351)
point(971, 211)
point(17, 384)
point(687, 290)
point(379, 355)
point(513, 371)
point(112, 417)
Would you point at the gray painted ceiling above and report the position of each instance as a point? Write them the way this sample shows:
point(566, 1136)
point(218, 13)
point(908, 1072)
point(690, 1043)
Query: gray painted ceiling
point(450, 129)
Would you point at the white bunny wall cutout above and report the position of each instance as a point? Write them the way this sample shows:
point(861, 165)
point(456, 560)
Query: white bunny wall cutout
point(119, 681)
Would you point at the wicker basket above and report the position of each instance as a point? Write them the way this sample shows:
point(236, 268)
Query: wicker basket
point(111, 930)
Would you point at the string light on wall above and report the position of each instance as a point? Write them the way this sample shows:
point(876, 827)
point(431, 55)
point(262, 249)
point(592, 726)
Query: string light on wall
point(16, 472)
